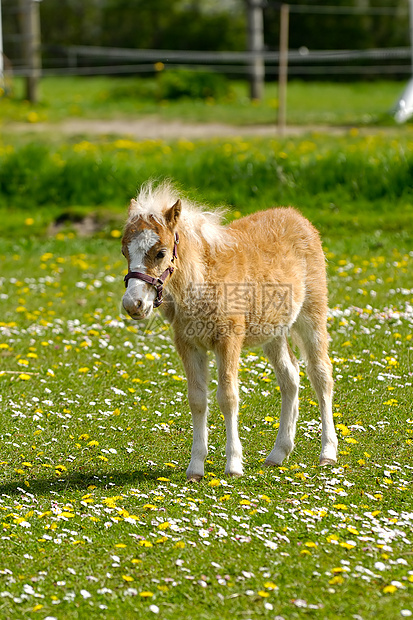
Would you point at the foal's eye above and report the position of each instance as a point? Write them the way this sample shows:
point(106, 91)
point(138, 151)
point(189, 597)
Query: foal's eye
point(160, 254)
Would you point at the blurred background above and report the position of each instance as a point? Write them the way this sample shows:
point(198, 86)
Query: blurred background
point(244, 102)
point(214, 50)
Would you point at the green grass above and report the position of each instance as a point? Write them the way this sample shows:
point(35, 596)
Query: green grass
point(102, 97)
point(97, 519)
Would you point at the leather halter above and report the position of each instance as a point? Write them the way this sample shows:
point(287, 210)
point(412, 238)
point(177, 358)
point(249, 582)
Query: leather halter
point(158, 283)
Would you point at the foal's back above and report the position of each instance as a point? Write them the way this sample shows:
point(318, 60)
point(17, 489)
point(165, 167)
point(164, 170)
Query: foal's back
point(278, 231)
point(280, 246)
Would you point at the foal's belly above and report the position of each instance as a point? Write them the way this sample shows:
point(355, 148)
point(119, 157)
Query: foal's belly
point(207, 332)
point(253, 319)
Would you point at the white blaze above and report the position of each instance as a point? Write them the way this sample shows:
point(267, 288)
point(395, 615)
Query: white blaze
point(139, 247)
point(138, 290)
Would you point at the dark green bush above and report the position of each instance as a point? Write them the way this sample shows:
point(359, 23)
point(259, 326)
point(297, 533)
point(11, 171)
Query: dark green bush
point(192, 84)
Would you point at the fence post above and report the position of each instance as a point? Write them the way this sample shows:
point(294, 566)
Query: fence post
point(2, 85)
point(411, 33)
point(256, 48)
point(283, 68)
point(30, 29)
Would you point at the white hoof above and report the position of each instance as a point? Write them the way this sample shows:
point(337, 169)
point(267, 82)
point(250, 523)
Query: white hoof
point(234, 469)
point(195, 472)
point(270, 463)
point(193, 477)
point(277, 456)
point(234, 474)
point(328, 454)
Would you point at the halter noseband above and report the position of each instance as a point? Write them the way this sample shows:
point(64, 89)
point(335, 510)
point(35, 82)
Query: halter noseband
point(156, 282)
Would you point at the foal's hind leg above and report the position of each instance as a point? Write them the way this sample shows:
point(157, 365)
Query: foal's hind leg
point(195, 362)
point(286, 370)
point(312, 339)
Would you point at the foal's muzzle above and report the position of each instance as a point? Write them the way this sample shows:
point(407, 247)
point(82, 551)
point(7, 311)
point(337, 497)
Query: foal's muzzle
point(137, 303)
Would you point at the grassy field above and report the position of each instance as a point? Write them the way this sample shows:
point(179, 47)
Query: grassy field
point(100, 97)
point(97, 517)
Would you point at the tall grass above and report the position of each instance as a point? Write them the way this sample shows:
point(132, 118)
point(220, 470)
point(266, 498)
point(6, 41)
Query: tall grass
point(245, 175)
point(91, 175)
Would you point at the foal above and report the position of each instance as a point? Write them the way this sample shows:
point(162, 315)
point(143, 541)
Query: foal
point(224, 287)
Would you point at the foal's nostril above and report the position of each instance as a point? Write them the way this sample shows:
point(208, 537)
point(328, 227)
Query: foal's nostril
point(132, 306)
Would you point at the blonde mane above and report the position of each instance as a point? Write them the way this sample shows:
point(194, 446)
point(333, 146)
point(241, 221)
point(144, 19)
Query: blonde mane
point(153, 200)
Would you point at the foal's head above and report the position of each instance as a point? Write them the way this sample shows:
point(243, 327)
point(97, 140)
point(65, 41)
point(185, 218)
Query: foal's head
point(148, 245)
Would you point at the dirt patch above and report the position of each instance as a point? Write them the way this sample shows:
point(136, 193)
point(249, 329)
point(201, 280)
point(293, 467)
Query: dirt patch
point(156, 129)
point(83, 225)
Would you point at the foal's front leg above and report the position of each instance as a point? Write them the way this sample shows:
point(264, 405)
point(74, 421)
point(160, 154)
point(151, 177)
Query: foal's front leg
point(227, 355)
point(195, 362)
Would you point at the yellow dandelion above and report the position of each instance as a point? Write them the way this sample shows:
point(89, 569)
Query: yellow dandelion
point(164, 526)
point(270, 585)
point(337, 579)
point(145, 543)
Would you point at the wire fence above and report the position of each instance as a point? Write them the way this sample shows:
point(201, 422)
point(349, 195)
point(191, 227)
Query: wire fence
point(93, 60)
point(362, 9)
point(90, 60)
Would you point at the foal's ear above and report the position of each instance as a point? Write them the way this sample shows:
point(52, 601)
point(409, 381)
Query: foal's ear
point(133, 205)
point(172, 215)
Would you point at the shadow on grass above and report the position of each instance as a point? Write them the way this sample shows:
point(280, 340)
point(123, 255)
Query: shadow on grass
point(74, 481)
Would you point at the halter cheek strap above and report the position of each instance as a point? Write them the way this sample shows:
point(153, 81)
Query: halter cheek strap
point(157, 283)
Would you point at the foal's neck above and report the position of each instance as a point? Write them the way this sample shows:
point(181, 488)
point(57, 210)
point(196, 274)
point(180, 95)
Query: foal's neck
point(192, 256)
point(190, 266)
